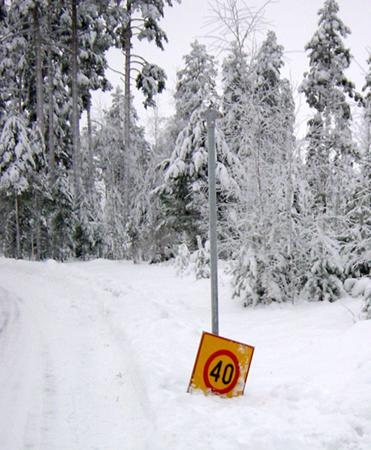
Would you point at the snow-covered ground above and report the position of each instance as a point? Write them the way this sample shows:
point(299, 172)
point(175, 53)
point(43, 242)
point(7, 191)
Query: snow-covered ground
point(98, 356)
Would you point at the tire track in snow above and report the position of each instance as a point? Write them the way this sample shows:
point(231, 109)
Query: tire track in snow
point(23, 399)
point(128, 375)
point(88, 395)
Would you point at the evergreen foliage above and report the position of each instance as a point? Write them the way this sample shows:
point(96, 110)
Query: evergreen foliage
point(48, 70)
point(184, 193)
point(237, 90)
point(331, 155)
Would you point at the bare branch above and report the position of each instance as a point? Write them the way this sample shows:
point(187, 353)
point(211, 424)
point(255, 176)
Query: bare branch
point(115, 70)
point(139, 57)
point(12, 34)
point(235, 21)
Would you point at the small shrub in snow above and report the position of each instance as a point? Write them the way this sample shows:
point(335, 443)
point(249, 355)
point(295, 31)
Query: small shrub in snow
point(360, 288)
point(183, 260)
point(324, 281)
point(202, 260)
point(349, 285)
point(367, 306)
point(359, 264)
point(255, 280)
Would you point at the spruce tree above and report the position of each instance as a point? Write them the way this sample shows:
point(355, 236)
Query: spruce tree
point(331, 152)
point(328, 91)
point(357, 246)
point(20, 157)
point(124, 235)
point(184, 190)
point(237, 91)
point(195, 84)
point(36, 72)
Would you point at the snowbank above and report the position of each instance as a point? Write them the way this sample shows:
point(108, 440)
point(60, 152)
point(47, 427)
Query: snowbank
point(98, 355)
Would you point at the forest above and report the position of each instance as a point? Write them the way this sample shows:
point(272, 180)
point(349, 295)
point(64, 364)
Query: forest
point(294, 214)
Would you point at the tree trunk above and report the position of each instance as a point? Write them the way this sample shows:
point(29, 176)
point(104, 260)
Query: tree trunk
point(127, 109)
point(38, 69)
point(39, 115)
point(17, 228)
point(90, 151)
point(75, 106)
point(258, 174)
point(51, 145)
point(37, 213)
point(2, 10)
point(20, 87)
point(290, 231)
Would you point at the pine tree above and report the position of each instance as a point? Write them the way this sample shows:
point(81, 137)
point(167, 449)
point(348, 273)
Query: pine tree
point(129, 20)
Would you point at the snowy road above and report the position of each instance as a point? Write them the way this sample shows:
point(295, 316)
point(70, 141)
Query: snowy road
point(66, 379)
point(97, 356)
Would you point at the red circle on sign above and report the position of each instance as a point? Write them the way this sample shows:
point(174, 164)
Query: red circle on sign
point(207, 367)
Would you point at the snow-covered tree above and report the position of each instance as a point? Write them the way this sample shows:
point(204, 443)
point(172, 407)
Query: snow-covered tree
point(367, 112)
point(328, 90)
point(367, 302)
point(184, 192)
point(182, 260)
point(131, 20)
point(202, 260)
point(36, 68)
point(357, 245)
point(20, 156)
point(263, 269)
point(331, 153)
point(61, 220)
point(196, 83)
point(237, 93)
point(124, 234)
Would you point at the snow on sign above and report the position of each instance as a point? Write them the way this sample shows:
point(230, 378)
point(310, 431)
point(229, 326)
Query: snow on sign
point(221, 366)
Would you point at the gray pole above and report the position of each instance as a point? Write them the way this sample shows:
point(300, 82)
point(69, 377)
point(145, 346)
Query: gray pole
point(211, 117)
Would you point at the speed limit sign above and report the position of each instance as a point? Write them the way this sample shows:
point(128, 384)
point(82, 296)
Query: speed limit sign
point(221, 366)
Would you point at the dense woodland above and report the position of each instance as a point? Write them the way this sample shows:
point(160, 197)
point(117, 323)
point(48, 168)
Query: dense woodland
point(294, 215)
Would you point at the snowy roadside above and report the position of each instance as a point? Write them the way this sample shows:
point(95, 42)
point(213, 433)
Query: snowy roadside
point(98, 356)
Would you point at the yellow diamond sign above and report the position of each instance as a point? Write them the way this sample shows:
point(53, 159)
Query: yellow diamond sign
point(221, 366)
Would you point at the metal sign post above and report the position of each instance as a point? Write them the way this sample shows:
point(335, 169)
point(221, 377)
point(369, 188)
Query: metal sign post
point(211, 116)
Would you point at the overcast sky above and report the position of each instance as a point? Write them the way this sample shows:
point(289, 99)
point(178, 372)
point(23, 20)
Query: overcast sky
point(294, 22)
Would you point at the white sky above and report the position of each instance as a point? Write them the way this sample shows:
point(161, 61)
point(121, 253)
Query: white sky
point(294, 22)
